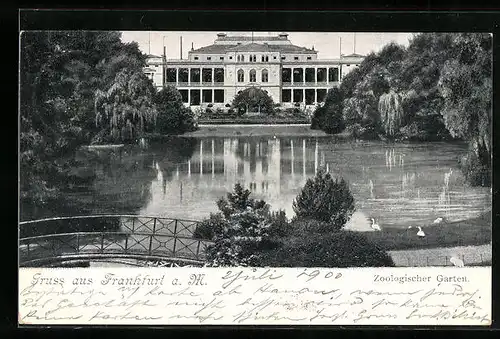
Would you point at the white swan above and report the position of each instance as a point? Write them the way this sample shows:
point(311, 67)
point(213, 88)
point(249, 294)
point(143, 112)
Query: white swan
point(420, 233)
point(438, 220)
point(375, 226)
point(457, 262)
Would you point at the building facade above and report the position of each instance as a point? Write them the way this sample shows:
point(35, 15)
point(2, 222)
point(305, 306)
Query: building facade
point(292, 75)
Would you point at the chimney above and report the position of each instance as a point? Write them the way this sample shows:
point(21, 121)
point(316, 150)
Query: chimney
point(192, 46)
point(181, 47)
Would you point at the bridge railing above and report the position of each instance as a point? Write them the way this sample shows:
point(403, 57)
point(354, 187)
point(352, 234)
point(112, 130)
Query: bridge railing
point(109, 235)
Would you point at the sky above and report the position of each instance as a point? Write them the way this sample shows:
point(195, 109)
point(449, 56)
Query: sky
point(327, 44)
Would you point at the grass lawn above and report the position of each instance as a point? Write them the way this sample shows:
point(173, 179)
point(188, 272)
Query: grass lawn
point(470, 232)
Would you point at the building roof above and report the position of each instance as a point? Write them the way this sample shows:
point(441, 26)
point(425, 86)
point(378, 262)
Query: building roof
point(353, 55)
point(152, 56)
point(249, 38)
point(252, 47)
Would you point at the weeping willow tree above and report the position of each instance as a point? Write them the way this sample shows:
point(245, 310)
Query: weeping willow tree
point(391, 112)
point(126, 110)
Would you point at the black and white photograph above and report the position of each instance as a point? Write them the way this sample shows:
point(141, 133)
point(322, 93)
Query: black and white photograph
point(255, 149)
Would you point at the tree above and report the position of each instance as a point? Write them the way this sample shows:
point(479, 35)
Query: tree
point(329, 116)
point(466, 86)
point(173, 117)
point(126, 108)
point(60, 72)
point(325, 199)
point(241, 232)
point(253, 99)
point(391, 111)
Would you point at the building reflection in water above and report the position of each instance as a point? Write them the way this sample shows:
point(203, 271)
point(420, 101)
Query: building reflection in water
point(266, 166)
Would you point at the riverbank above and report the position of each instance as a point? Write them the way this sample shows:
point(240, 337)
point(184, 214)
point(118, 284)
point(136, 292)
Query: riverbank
point(282, 130)
point(471, 232)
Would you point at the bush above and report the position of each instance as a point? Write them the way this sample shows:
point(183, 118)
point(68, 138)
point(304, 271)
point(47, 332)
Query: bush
point(337, 249)
point(305, 227)
point(173, 117)
point(325, 199)
point(209, 227)
point(279, 225)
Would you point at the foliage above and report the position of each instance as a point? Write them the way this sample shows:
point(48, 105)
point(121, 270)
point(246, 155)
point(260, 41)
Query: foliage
point(241, 232)
point(208, 228)
point(334, 249)
point(466, 86)
point(391, 112)
point(329, 116)
point(253, 100)
point(126, 109)
point(325, 199)
point(60, 73)
point(173, 117)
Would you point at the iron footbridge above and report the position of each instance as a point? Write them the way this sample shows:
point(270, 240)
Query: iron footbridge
point(62, 241)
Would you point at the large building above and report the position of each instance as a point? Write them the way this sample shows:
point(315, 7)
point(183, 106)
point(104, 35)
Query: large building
point(214, 74)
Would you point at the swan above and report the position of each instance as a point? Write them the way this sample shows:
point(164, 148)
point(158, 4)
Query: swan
point(439, 220)
point(375, 226)
point(420, 233)
point(457, 262)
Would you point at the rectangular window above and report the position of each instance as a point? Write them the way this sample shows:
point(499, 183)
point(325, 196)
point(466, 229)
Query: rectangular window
point(295, 58)
point(286, 75)
point(195, 58)
point(209, 58)
point(283, 58)
point(310, 75)
point(274, 57)
point(309, 58)
point(184, 95)
point(206, 74)
point(219, 75)
point(207, 95)
point(195, 75)
point(221, 58)
point(171, 75)
point(298, 95)
point(195, 97)
point(333, 74)
point(231, 57)
point(321, 95)
point(309, 96)
point(183, 74)
point(286, 95)
point(321, 74)
point(218, 95)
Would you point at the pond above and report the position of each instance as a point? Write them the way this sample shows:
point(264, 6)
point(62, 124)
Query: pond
point(397, 184)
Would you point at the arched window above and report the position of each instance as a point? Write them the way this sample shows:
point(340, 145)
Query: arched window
point(265, 75)
point(262, 58)
point(253, 75)
point(238, 58)
point(242, 58)
point(267, 58)
point(241, 75)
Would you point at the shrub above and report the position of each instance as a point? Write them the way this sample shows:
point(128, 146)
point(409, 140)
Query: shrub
point(305, 227)
point(242, 231)
point(242, 241)
point(209, 227)
point(325, 199)
point(279, 225)
point(337, 249)
point(173, 117)
point(239, 200)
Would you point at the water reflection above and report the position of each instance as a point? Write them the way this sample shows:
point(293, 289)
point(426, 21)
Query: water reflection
point(398, 185)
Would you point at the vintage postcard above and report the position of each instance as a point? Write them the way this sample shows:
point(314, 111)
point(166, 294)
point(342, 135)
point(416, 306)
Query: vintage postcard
point(251, 178)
